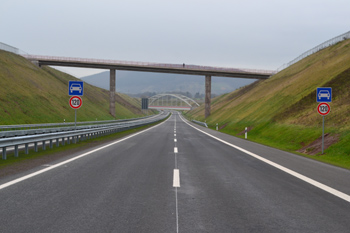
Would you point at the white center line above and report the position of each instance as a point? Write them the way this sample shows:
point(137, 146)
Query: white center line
point(176, 178)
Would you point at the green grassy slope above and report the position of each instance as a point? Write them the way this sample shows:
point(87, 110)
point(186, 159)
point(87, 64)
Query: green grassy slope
point(282, 110)
point(30, 94)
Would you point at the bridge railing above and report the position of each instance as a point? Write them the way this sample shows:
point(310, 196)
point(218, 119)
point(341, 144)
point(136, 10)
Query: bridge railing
point(148, 64)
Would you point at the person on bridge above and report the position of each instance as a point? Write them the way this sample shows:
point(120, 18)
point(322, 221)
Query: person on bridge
point(184, 65)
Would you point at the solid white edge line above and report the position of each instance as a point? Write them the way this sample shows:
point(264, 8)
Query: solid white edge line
point(176, 178)
point(5, 185)
point(324, 187)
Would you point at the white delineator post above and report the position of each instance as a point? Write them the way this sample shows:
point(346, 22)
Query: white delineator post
point(217, 126)
point(246, 132)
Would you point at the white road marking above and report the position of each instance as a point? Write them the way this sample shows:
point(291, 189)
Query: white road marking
point(176, 182)
point(326, 188)
point(176, 178)
point(177, 211)
point(175, 150)
point(5, 185)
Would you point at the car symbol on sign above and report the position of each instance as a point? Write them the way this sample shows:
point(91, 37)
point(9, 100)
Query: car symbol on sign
point(75, 87)
point(324, 93)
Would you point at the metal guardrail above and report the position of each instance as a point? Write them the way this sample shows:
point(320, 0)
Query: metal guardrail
point(71, 136)
point(200, 123)
point(65, 124)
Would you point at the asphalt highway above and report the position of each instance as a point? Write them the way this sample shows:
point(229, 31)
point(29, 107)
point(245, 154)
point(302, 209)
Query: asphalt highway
point(174, 177)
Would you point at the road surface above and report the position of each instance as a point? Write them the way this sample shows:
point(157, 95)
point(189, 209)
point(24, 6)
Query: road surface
point(175, 178)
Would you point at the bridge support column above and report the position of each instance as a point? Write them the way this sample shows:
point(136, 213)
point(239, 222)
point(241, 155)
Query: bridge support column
point(207, 95)
point(112, 92)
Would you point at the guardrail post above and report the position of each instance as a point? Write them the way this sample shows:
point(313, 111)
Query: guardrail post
point(57, 142)
point(16, 151)
point(4, 153)
point(44, 145)
point(68, 140)
point(51, 146)
point(63, 141)
point(36, 146)
point(26, 150)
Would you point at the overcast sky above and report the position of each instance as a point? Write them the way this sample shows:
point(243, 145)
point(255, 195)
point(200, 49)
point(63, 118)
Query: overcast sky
point(240, 34)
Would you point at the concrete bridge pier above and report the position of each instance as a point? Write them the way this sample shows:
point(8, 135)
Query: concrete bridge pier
point(112, 92)
point(207, 95)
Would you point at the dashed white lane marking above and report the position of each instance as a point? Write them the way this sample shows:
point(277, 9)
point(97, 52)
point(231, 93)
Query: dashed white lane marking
point(5, 185)
point(174, 135)
point(175, 150)
point(176, 178)
point(315, 183)
point(175, 140)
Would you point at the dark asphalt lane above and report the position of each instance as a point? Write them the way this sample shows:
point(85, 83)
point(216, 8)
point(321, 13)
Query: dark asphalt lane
point(225, 190)
point(128, 187)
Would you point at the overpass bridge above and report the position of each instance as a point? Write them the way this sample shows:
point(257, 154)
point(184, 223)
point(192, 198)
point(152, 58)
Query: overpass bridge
point(113, 65)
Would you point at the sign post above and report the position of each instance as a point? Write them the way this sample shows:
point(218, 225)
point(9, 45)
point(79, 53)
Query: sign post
point(75, 102)
point(323, 95)
point(323, 109)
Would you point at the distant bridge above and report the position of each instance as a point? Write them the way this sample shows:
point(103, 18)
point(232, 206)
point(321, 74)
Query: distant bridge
point(113, 65)
point(171, 101)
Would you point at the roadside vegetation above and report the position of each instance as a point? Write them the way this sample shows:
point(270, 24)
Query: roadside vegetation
point(281, 111)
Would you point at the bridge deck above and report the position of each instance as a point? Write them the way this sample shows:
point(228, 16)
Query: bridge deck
point(151, 67)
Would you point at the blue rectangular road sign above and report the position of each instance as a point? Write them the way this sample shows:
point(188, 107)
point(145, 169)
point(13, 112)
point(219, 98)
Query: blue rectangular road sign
point(324, 94)
point(76, 88)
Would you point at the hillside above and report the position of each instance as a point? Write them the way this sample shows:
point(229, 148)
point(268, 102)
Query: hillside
point(31, 94)
point(281, 111)
point(133, 82)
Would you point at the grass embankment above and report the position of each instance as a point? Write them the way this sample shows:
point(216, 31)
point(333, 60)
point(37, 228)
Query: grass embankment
point(281, 111)
point(40, 95)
